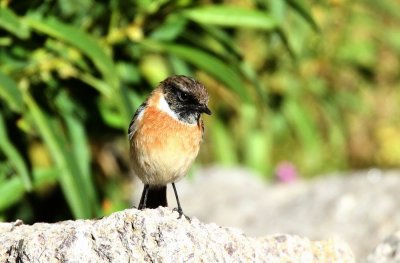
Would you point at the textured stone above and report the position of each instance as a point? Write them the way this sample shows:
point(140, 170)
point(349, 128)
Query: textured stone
point(361, 207)
point(388, 251)
point(156, 235)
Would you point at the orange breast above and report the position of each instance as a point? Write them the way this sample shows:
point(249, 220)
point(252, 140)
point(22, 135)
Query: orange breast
point(163, 132)
point(163, 148)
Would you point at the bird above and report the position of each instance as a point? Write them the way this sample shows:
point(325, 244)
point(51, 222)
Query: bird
point(165, 134)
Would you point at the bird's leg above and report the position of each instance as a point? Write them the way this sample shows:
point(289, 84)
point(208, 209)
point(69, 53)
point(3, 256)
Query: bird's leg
point(143, 199)
point(179, 209)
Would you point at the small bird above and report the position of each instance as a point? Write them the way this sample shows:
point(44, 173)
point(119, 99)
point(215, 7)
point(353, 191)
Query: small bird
point(165, 135)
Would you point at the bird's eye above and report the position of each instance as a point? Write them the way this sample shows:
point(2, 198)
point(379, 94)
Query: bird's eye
point(182, 96)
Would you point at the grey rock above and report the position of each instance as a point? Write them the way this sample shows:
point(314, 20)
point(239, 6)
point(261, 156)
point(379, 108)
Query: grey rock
point(156, 235)
point(386, 252)
point(361, 208)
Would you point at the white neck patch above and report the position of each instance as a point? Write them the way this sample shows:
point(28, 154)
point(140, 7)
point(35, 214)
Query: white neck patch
point(164, 107)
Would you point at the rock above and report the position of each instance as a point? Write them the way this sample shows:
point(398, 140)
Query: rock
point(361, 208)
point(388, 251)
point(156, 235)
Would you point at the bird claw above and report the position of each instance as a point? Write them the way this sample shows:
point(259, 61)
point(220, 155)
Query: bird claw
point(180, 212)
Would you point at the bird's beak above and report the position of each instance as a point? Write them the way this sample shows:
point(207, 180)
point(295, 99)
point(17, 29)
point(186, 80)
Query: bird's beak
point(202, 108)
point(205, 109)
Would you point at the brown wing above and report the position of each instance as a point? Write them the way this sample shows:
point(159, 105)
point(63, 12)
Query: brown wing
point(133, 124)
point(202, 129)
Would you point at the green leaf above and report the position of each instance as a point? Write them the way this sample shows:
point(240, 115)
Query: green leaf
point(252, 76)
point(128, 72)
point(96, 83)
point(224, 38)
point(4, 171)
point(299, 6)
point(257, 151)
point(44, 176)
point(231, 16)
point(13, 156)
point(91, 48)
point(10, 92)
point(306, 131)
point(256, 143)
point(223, 143)
point(277, 9)
point(179, 66)
point(70, 176)
point(154, 68)
point(81, 40)
point(12, 190)
point(388, 9)
point(302, 123)
point(169, 30)
point(74, 7)
point(211, 64)
point(109, 113)
point(11, 22)
point(286, 44)
point(78, 144)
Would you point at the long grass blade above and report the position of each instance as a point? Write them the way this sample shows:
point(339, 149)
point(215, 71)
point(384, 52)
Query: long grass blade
point(89, 46)
point(78, 38)
point(10, 92)
point(79, 147)
point(300, 7)
point(14, 156)
point(212, 65)
point(231, 16)
point(12, 190)
point(70, 177)
point(11, 22)
point(223, 143)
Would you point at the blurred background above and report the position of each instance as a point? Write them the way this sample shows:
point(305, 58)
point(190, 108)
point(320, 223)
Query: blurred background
point(298, 88)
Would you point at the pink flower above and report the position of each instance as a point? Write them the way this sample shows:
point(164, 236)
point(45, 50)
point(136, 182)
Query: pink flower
point(286, 172)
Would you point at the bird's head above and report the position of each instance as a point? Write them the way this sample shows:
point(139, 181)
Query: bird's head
point(186, 97)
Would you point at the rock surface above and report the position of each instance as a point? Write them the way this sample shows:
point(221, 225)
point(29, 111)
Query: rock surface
point(156, 235)
point(388, 251)
point(362, 208)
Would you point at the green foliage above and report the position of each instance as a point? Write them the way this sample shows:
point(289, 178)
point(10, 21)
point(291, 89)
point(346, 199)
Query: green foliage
point(13, 155)
point(284, 86)
point(231, 16)
point(10, 93)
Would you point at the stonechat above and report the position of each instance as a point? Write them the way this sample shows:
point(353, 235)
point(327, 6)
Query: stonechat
point(165, 135)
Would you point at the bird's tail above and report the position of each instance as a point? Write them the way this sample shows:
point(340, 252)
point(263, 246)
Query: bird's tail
point(156, 196)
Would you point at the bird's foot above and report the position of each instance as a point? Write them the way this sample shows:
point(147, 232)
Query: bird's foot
point(180, 212)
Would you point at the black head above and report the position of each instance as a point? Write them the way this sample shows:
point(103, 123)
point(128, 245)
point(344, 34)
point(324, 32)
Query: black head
point(186, 97)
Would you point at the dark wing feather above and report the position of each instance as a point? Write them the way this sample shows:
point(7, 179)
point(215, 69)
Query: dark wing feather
point(133, 125)
point(202, 129)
